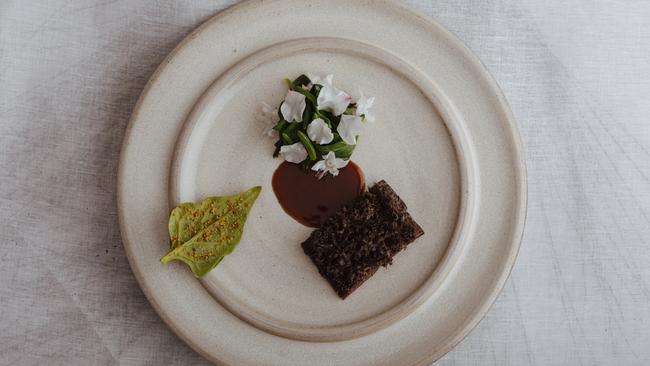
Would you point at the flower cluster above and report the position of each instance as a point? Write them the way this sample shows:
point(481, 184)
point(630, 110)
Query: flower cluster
point(317, 125)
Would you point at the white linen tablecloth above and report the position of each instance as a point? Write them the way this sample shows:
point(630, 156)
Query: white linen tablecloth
point(576, 73)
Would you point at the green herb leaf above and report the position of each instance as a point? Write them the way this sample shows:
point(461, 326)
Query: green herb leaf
point(280, 125)
point(286, 139)
point(306, 93)
point(201, 234)
point(307, 115)
point(311, 151)
point(315, 90)
point(340, 149)
point(302, 80)
point(292, 127)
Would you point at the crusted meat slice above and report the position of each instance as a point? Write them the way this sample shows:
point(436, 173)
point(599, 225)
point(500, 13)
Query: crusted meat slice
point(360, 237)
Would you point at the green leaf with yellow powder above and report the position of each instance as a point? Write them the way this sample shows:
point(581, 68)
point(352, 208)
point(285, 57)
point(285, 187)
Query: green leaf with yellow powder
point(201, 234)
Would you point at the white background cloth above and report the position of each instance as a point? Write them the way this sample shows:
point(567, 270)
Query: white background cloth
point(576, 73)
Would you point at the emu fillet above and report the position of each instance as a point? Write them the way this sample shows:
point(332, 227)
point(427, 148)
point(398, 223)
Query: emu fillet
point(360, 237)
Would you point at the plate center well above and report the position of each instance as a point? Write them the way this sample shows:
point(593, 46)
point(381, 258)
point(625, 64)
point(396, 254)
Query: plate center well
point(268, 280)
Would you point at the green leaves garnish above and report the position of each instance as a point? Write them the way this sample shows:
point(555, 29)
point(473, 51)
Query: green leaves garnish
point(201, 234)
point(290, 133)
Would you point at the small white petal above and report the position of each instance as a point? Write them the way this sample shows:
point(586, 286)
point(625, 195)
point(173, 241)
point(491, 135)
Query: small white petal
point(364, 104)
point(293, 106)
point(294, 153)
point(317, 80)
point(269, 117)
point(333, 100)
point(319, 165)
point(349, 128)
point(319, 132)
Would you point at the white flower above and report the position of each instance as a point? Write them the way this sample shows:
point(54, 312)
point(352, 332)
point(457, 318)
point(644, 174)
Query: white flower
point(293, 153)
point(333, 100)
point(317, 80)
point(319, 132)
point(269, 117)
point(330, 164)
point(363, 106)
point(349, 128)
point(293, 106)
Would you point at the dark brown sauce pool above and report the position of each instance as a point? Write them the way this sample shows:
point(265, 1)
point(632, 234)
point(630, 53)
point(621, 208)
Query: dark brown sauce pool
point(309, 200)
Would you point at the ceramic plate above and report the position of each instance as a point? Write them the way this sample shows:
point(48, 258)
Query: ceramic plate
point(444, 139)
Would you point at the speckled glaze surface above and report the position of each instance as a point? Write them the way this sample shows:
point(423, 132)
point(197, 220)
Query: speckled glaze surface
point(444, 139)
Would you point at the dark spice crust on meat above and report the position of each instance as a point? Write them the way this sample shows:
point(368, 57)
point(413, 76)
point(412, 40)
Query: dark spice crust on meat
point(362, 236)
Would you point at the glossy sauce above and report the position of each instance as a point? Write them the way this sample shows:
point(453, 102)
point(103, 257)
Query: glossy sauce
point(309, 200)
